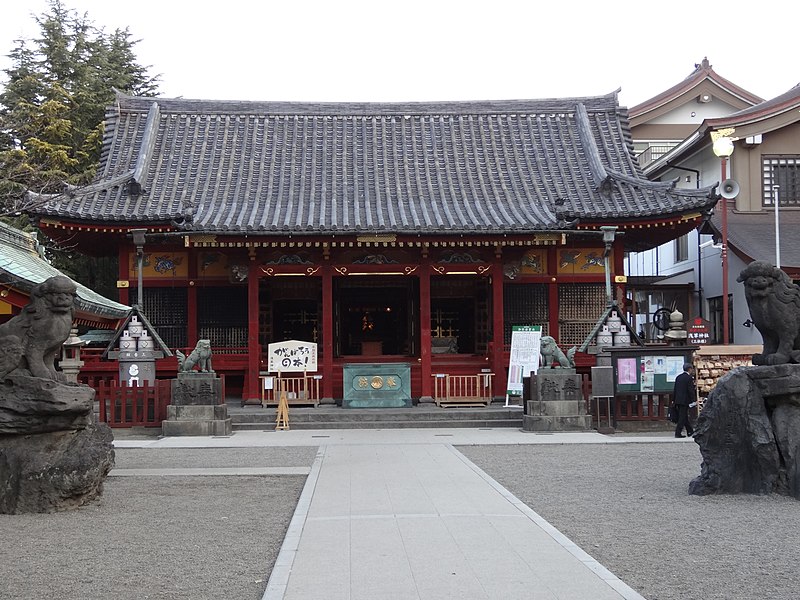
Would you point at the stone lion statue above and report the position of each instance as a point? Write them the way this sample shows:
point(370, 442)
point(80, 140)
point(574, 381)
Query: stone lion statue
point(553, 357)
point(774, 303)
point(200, 357)
point(31, 341)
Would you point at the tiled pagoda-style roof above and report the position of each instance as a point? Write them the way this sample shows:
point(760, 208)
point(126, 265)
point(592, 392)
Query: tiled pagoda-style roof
point(22, 266)
point(268, 168)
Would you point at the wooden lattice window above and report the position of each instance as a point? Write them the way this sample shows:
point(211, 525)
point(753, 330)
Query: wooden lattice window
point(222, 316)
point(525, 304)
point(165, 308)
point(580, 306)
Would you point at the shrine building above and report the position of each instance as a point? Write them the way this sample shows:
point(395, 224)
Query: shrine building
point(415, 233)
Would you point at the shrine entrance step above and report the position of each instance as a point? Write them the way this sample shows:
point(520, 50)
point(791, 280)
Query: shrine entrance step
point(420, 416)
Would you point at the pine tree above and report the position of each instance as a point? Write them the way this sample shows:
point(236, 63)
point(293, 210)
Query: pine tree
point(53, 104)
point(51, 118)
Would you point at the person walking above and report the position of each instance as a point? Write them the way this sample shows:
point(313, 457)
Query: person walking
point(683, 394)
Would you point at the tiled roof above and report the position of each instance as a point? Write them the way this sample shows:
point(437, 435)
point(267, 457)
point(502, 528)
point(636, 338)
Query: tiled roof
point(454, 167)
point(22, 266)
point(752, 235)
point(789, 100)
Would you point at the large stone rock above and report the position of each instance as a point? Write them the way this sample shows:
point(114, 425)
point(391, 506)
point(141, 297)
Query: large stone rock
point(38, 405)
point(53, 471)
point(749, 433)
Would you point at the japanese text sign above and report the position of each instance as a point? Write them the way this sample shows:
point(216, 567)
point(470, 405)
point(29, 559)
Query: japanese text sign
point(292, 355)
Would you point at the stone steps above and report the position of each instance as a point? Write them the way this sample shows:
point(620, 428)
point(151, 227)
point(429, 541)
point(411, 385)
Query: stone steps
point(257, 418)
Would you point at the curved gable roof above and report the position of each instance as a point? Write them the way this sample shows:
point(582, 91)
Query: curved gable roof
point(762, 118)
point(788, 101)
point(22, 265)
point(272, 168)
point(702, 78)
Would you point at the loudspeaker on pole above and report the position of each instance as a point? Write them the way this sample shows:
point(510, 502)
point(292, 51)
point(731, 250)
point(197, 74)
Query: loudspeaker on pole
point(729, 189)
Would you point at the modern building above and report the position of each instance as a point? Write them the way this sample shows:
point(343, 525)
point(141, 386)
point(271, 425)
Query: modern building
point(760, 218)
point(673, 275)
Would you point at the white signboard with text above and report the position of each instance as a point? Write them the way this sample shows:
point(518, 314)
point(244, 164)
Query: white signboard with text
point(292, 356)
point(525, 347)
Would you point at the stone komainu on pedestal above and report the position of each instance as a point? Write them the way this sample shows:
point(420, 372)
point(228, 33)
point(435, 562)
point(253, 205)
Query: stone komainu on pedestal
point(197, 406)
point(54, 455)
point(749, 429)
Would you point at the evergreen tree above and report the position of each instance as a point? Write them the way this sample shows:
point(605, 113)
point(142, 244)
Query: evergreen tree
point(52, 108)
point(53, 103)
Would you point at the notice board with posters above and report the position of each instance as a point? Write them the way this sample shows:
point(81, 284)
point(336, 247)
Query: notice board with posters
point(649, 369)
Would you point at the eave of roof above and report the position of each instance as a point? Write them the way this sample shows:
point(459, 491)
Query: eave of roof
point(786, 102)
point(422, 168)
point(752, 235)
point(22, 266)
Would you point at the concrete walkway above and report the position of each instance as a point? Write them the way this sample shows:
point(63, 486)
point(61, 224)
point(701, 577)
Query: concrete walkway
point(401, 514)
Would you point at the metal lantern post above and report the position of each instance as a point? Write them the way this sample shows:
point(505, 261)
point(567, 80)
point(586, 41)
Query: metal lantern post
point(609, 233)
point(138, 241)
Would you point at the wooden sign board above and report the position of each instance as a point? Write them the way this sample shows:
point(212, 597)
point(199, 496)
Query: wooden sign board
point(698, 332)
point(292, 356)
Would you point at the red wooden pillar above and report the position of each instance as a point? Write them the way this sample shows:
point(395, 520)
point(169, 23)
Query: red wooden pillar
point(251, 389)
point(125, 275)
point(327, 335)
point(498, 341)
point(554, 310)
point(191, 317)
point(426, 389)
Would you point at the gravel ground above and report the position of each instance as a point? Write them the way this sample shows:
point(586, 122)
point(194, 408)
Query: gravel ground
point(628, 506)
point(160, 538)
point(200, 538)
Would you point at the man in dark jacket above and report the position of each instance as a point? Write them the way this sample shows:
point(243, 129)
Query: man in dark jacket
point(683, 395)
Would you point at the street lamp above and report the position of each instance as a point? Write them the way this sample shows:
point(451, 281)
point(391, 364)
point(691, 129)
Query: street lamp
point(723, 148)
point(138, 241)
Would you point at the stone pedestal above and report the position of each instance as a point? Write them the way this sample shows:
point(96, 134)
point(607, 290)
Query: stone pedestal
point(556, 402)
point(748, 433)
point(54, 455)
point(197, 406)
point(197, 419)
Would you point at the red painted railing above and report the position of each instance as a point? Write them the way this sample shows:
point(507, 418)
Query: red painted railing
point(123, 406)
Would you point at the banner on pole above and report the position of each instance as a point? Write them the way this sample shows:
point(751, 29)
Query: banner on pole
point(525, 346)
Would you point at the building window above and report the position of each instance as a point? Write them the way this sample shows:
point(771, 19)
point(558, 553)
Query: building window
point(222, 316)
point(715, 316)
point(525, 304)
point(166, 310)
point(682, 248)
point(783, 171)
point(580, 305)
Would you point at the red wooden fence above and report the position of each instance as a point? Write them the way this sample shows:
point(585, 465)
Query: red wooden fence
point(123, 406)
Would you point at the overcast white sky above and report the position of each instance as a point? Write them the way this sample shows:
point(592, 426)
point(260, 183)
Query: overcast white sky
point(415, 50)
